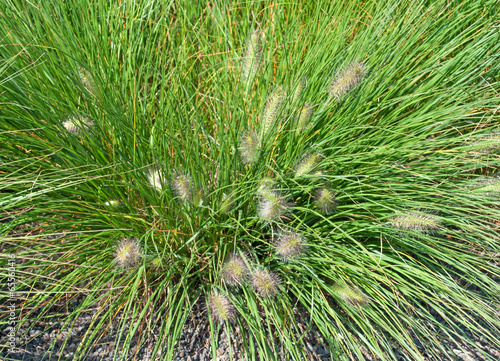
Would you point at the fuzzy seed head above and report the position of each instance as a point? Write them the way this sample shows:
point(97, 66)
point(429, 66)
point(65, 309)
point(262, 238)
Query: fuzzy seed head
point(487, 186)
point(303, 118)
point(264, 282)
point(272, 206)
point(221, 308)
point(87, 80)
point(351, 295)
point(290, 246)
point(325, 200)
point(298, 90)
point(235, 271)
point(182, 187)
point(265, 186)
point(415, 220)
point(228, 203)
point(156, 179)
point(307, 163)
point(128, 253)
point(253, 56)
point(157, 263)
point(113, 203)
point(271, 110)
point(198, 197)
point(250, 147)
point(488, 143)
point(347, 79)
point(492, 190)
point(76, 124)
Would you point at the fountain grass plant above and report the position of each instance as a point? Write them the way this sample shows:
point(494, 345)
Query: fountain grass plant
point(192, 153)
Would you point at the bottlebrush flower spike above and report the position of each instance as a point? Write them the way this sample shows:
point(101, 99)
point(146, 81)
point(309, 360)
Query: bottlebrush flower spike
point(253, 56)
point(350, 295)
point(220, 307)
point(325, 200)
point(228, 203)
point(128, 253)
point(272, 206)
point(235, 271)
point(347, 79)
point(487, 186)
point(113, 203)
point(303, 117)
point(271, 110)
point(87, 80)
point(487, 143)
point(157, 264)
point(182, 187)
point(156, 179)
point(76, 124)
point(264, 282)
point(266, 186)
point(307, 163)
point(289, 246)
point(415, 220)
point(298, 90)
point(250, 147)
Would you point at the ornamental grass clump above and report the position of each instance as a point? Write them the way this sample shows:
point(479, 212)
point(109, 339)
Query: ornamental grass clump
point(243, 198)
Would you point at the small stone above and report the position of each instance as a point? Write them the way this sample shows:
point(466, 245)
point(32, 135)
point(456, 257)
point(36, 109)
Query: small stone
point(463, 355)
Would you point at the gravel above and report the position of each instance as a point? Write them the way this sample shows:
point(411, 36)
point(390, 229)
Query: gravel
point(44, 340)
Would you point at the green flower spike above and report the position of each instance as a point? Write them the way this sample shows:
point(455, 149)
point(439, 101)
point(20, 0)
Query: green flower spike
point(325, 200)
point(250, 147)
point(220, 307)
point(351, 295)
point(347, 79)
point(307, 163)
point(264, 282)
point(235, 271)
point(253, 56)
point(128, 253)
point(289, 246)
point(76, 124)
point(415, 220)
